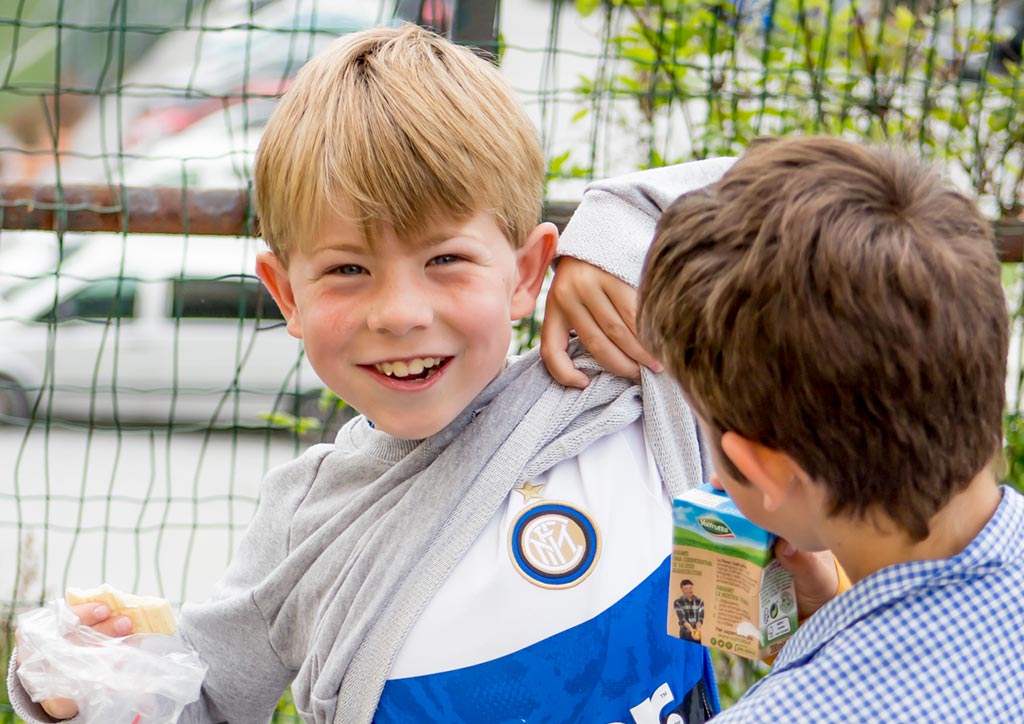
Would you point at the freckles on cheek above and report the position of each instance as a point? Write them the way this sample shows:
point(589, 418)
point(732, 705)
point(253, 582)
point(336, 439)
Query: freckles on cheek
point(328, 316)
point(338, 324)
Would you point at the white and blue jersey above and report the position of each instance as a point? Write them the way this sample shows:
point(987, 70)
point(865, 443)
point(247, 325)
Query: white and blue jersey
point(558, 612)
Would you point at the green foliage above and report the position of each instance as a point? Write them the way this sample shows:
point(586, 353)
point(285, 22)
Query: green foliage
point(286, 713)
point(6, 646)
point(910, 74)
point(311, 418)
point(7, 715)
point(1013, 429)
point(735, 675)
point(1013, 421)
point(288, 421)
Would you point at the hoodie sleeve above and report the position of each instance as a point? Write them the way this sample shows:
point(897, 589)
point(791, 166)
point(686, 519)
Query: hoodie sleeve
point(246, 674)
point(613, 226)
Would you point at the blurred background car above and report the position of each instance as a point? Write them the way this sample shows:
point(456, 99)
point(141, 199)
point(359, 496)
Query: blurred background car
point(147, 328)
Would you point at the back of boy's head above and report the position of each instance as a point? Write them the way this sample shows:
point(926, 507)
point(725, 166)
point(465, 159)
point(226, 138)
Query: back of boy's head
point(842, 305)
point(396, 128)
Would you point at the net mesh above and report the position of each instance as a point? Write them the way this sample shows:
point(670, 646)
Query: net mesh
point(146, 383)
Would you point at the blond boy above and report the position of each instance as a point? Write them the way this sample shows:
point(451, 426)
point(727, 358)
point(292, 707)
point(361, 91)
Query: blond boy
point(483, 544)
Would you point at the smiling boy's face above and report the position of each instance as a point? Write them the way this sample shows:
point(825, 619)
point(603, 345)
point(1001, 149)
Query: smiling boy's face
point(409, 333)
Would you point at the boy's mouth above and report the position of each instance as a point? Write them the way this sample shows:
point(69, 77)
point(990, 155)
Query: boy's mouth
point(417, 368)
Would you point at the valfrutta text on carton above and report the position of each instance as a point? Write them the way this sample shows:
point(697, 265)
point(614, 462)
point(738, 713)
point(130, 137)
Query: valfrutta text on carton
point(728, 568)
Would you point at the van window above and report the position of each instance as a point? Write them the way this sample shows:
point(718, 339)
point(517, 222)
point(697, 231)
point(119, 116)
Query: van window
point(231, 298)
point(101, 300)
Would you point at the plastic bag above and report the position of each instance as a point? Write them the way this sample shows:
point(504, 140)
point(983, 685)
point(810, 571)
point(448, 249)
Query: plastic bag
point(138, 679)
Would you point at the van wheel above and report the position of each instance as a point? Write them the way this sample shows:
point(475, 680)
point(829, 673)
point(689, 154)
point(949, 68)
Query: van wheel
point(13, 401)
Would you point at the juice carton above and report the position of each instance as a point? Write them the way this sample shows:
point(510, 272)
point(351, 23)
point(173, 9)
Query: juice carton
point(727, 563)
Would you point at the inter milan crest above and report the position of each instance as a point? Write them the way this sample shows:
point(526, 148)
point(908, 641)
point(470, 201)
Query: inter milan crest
point(553, 544)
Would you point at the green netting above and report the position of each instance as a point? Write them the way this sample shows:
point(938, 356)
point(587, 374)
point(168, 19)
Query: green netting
point(138, 417)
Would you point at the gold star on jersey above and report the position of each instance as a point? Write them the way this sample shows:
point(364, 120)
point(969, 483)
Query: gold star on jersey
point(529, 491)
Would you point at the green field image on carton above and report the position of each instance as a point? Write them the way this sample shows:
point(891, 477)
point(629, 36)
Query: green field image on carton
point(693, 540)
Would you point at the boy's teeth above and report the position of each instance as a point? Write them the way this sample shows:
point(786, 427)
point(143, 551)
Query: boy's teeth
point(412, 367)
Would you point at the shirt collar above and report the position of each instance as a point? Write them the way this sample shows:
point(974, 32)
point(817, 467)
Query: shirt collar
point(1001, 540)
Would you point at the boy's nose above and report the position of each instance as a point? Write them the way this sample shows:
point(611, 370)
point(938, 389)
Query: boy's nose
point(399, 309)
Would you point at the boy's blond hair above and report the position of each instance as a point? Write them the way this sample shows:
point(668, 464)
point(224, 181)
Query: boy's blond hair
point(399, 128)
point(843, 305)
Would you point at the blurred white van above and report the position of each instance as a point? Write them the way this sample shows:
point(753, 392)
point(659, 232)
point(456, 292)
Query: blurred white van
point(151, 328)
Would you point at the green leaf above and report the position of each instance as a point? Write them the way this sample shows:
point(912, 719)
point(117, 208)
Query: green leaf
point(1000, 120)
point(330, 402)
point(904, 19)
point(641, 56)
point(556, 163)
point(587, 7)
point(631, 84)
point(958, 121)
point(286, 421)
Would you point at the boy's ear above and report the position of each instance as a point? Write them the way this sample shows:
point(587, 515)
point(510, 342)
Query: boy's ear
point(275, 277)
point(771, 472)
point(532, 261)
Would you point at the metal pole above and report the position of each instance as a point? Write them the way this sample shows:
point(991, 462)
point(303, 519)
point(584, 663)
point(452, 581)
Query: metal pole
point(138, 210)
point(227, 212)
point(149, 210)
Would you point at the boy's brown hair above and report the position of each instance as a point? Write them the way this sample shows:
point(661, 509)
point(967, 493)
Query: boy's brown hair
point(840, 304)
point(400, 128)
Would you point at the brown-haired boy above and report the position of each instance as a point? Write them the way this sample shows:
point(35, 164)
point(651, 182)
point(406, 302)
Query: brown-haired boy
point(835, 316)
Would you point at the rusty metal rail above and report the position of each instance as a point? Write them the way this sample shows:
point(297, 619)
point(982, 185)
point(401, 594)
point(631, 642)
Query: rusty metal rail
point(224, 212)
point(140, 210)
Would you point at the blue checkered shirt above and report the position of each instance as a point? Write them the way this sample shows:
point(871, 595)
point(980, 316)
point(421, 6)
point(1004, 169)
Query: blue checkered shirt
point(929, 641)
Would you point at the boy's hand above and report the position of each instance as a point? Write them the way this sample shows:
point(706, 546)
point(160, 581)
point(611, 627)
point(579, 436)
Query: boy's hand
point(96, 616)
point(602, 309)
point(814, 575)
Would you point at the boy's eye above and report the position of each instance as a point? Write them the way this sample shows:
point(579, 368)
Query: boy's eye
point(349, 270)
point(444, 259)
